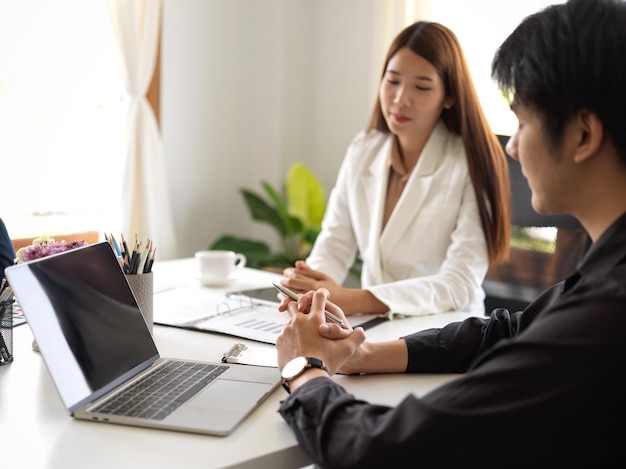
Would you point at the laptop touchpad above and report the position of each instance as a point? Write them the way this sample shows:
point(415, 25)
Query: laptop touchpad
point(230, 395)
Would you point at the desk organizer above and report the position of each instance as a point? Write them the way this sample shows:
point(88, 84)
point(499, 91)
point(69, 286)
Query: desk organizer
point(6, 332)
point(142, 286)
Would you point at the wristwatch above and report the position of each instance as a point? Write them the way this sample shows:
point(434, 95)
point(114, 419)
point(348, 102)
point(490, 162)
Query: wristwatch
point(296, 366)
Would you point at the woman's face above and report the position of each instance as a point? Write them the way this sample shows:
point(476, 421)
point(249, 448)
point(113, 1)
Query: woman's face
point(412, 95)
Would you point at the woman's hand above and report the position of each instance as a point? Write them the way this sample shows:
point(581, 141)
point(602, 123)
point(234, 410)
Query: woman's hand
point(302, 278)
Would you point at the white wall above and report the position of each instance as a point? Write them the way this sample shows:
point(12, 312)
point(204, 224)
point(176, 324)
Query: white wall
point(249, 87)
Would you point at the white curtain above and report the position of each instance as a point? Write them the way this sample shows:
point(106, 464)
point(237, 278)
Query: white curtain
point(146, 210)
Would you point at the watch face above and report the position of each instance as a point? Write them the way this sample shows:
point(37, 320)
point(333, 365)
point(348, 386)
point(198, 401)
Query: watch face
point(294, 367)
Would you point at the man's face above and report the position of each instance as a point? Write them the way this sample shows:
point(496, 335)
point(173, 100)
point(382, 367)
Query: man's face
point(548, 171)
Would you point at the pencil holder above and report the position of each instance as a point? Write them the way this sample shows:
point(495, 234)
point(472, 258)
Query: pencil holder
point(142, 286)
point(6, 332)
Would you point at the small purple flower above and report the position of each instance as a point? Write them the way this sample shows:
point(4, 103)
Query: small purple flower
point(36, 251)
point(33, 252)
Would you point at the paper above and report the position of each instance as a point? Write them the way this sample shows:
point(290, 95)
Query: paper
point(180, 306)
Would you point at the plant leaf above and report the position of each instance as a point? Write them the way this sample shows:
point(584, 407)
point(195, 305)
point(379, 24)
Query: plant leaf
point(262, 211)
point(234, 243)
point(310, 235)
point(257, 252)
point(281, 208)
point(279, 200)
point(305, 196)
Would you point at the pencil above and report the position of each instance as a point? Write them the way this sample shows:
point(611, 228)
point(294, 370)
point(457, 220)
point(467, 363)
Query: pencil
point(151, 260)
point(124, 244)
point(146, 260)
point(116, 246)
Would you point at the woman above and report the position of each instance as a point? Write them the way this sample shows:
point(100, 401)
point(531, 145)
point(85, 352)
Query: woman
point(422, 194)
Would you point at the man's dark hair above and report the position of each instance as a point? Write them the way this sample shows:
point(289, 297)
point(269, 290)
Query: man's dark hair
point(566, 58)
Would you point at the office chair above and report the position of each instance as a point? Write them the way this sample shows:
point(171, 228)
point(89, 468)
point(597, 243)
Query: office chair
point(535, 263)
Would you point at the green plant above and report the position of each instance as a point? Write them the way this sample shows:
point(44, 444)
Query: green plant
point(295, 213)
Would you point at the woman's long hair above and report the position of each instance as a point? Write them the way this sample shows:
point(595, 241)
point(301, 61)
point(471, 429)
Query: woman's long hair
point(486, 160)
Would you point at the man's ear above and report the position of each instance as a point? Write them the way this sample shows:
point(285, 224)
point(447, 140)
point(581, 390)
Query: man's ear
point(590, 135)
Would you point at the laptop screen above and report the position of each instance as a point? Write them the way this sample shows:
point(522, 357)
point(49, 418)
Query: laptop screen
point(84, 318)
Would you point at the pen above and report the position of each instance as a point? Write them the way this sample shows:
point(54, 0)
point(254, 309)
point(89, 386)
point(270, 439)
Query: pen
point(294, 296)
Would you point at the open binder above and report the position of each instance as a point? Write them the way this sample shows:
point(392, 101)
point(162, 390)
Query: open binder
point(209, 311)
point(240, 316)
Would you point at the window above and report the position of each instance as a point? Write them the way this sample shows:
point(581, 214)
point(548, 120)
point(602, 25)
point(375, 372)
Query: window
point(62, 114)
point(491, 24)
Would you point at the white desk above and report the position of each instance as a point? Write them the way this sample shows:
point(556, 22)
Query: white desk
point(36, 432)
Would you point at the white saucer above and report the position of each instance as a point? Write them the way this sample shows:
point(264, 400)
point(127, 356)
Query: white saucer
point(214, 282)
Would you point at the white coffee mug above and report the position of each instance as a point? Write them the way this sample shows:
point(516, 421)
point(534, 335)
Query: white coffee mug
point(215, 267)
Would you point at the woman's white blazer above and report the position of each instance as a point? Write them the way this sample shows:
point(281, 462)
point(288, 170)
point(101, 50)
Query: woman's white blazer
point(432, 255)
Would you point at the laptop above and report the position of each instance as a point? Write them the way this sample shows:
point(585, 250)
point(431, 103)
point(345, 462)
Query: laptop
point(103, 360)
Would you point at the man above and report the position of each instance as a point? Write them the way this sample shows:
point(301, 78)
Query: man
point(7, 254)
point(540, 387)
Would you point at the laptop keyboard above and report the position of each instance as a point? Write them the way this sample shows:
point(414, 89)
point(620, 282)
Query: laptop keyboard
point(159, 393)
